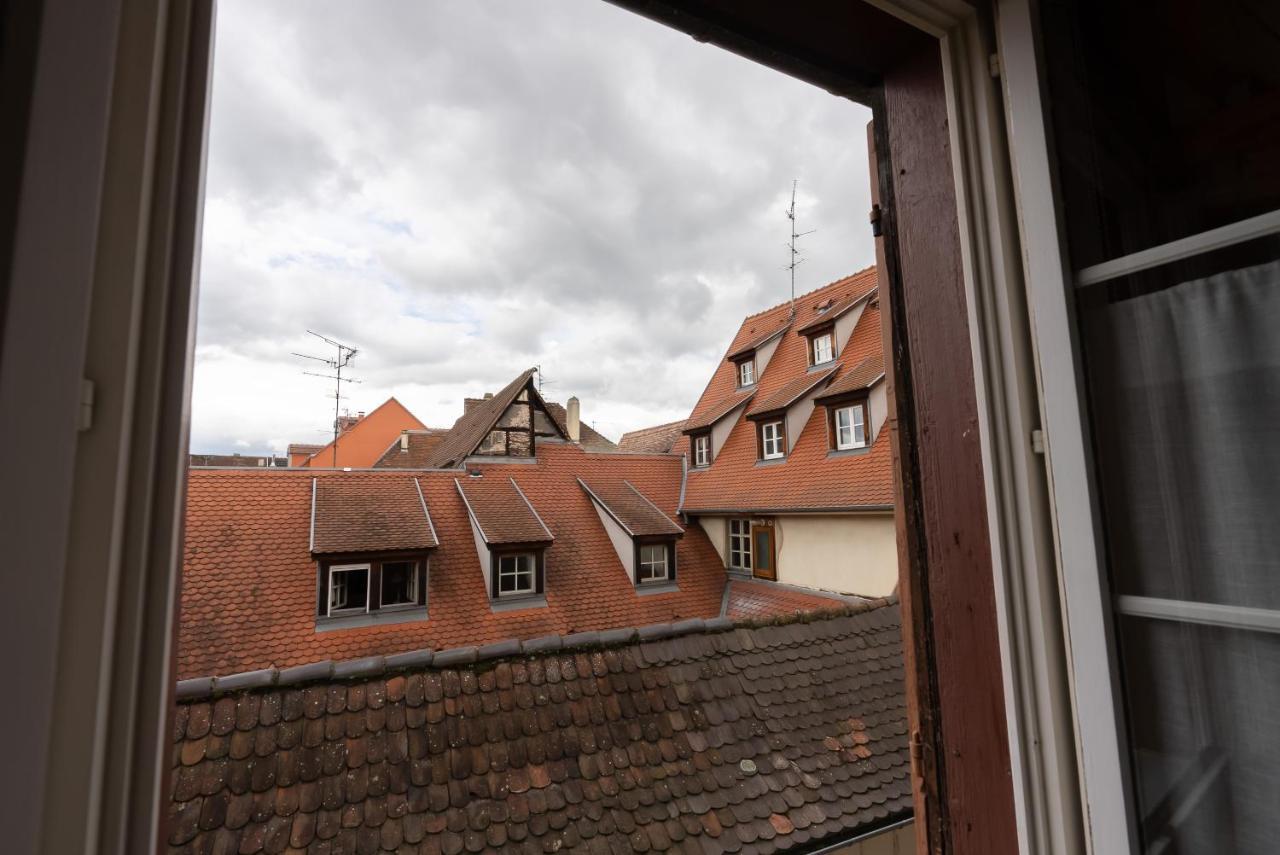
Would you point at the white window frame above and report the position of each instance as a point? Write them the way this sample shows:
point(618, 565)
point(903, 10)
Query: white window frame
point(773, 434)
point(828, 352)
point(853, 427)
point(702, 450)
point(740, 542)
point(653, 565)
point(415, 581)
point(334, 570)
point(747, 372)
point(533, 574)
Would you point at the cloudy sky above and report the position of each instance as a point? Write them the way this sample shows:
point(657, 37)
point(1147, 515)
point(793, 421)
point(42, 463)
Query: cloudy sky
point(467, 189)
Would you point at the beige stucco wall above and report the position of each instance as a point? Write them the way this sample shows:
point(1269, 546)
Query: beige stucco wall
point(855, 554)
point(717, 529)
point(900, 841)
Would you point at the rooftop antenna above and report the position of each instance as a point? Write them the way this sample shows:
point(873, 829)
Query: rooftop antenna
point(796, 258)
point(336, 364)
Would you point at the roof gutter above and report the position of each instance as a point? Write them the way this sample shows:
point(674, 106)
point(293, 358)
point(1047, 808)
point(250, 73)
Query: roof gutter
point(845, 509)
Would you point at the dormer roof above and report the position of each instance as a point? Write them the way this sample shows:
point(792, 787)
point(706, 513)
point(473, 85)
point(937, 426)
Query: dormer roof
point(790, 392)
point(361, 514)
point(638, 516)
point(864, 375)
point(714, 414)
point(836, 307)
point(501, 512)
point(754, 343)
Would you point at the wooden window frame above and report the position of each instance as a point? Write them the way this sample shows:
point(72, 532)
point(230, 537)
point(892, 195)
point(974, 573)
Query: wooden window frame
point(693, 448)
point(539, 571)
point(669, 543)
point(737, 370)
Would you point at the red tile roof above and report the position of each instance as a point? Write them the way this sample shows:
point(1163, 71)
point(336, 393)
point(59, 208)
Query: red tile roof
point(361, 444)
point(756, 600)
point(820, 318)
point(763, 739)
point(249, 581)
point(659, 439)
point(633, 511)
point(369, 514)
point(421, 443)
point(809, 479)
point(588, 437)
point(748, 345)
point(501, 511)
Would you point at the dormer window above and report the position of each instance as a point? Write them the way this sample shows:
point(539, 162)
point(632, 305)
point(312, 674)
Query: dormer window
point(773, 440)
point(823, 348)
point(654, 562)
point(371, 588)
point(517, 574)
point(746, 372)
point(701, 449)
point(850, 426)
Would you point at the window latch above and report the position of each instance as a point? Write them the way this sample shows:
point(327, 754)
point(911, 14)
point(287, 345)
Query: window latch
point(876, 229)
point(86, 404)
point(1037, 441)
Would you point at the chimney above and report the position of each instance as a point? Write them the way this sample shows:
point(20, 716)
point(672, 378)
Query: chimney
point(571, 418)
point(404, 440)
point(469, 404)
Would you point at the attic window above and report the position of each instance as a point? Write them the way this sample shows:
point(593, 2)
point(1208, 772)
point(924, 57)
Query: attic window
point(747, 372)
point(371, 588)
point(518, 574)
point(654, 564)
point(850, 426)
point(822, 348)
point(773, 440)
point(702, 449)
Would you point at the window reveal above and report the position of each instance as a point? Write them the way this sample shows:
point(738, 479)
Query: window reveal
point(740, 544)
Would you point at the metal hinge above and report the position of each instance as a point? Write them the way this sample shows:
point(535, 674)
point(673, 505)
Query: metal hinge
point(86, 404)
point(876, 230)
point(993, 64)
point(1037, 441)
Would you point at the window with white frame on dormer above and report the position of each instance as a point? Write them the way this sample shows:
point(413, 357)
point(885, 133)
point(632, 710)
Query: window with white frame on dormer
point(740, 544)
point(517, 574)
point(702, 450)
point(654, 564)
point(371, 588)
point(747, 372)
point(850, 423)
point(823, 348)
point(773, 440)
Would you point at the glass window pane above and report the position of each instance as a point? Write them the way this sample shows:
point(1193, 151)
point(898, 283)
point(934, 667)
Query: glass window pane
point(348, 590)
point(399, 583)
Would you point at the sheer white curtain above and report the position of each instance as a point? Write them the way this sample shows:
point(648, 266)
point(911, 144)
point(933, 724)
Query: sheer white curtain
point(1186, 413)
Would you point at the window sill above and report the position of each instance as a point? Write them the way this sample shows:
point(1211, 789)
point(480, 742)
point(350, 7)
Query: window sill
point(772, 461)
point(848, 452)
point(513, 603)
point(820, 366)
point(738, 573)
point(646, 588)
point(414, 614)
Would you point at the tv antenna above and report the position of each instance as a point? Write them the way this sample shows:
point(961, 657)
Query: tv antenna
point(345, 352)
point(796, 258)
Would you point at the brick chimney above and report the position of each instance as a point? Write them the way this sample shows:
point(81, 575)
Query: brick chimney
point(572, 418)
point(469, 404)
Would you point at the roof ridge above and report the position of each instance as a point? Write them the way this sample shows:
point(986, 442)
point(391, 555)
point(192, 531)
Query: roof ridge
point(808, 293)
point(198, 688)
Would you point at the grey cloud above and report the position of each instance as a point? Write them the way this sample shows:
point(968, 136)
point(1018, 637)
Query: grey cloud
point(465, 189)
